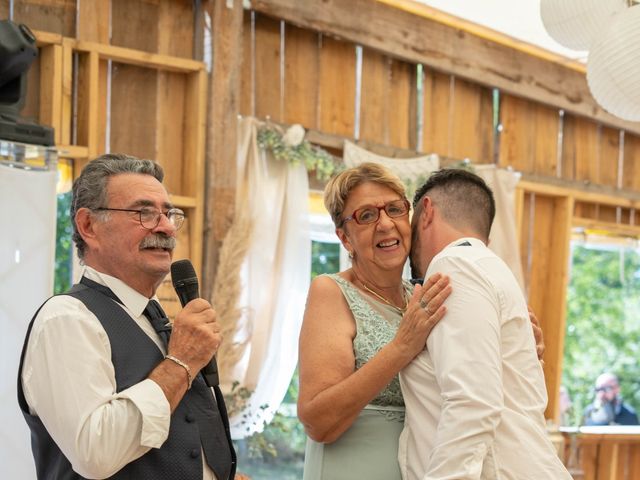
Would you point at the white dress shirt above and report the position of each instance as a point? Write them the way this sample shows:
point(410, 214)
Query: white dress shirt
point(69, 382)
point(475, 398)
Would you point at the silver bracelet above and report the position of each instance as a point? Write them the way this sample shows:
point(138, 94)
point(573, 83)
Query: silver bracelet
point(183, 365)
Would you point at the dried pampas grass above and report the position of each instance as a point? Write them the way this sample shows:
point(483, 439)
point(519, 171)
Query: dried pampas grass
point(227, 288)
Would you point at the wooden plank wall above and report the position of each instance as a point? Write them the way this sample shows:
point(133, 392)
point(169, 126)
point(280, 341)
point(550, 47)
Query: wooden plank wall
point(150, 107)
point(293, 75)
point(297, 75)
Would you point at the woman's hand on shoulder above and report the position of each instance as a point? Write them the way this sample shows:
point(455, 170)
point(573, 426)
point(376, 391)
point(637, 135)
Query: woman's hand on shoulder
point(426, 308)
point(537, 334)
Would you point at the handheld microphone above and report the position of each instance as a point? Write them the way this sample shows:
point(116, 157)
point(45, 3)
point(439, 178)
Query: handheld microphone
point(185, 282)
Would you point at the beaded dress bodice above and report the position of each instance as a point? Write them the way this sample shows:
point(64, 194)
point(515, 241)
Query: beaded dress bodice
point(376, 325)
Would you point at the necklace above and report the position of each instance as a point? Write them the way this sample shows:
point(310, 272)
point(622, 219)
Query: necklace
point(380, 297)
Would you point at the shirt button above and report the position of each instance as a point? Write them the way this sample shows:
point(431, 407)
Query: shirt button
point(195, 453)
point(189, 418)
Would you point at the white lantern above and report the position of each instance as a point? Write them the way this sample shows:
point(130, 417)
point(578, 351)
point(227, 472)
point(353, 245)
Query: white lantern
point(613, 68)
point(576, 24)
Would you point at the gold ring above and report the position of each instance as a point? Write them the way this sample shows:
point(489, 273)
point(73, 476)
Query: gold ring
point(423, 304)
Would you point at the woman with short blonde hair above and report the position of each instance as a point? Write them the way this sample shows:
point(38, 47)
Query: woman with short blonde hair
point(361, 327)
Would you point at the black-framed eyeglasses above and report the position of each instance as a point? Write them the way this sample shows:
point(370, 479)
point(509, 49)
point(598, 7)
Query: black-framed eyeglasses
point(371, 213)
point(150, 217)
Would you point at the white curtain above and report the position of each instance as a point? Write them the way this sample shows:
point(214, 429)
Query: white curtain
point(275, 278)
point(412, 171)
point(503, 239)
point(27, 258)
point(415, 171)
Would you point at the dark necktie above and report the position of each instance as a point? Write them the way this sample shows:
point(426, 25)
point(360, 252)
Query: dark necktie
point(214, 434)
point(159, 321)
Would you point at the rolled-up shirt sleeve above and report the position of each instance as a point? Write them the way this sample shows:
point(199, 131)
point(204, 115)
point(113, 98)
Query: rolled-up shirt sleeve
point(69, 382)
point(465, 349)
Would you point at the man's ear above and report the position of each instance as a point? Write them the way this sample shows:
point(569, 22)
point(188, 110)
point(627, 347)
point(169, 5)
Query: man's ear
point(427, 213)
point(86, 224)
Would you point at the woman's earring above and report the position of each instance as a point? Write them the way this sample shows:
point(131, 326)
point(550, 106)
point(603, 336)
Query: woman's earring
point(350, 254)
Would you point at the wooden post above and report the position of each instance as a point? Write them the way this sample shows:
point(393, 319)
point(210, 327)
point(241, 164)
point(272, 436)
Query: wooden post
point(223, 113)
point(94, 21)
point(548, 287)
point(51, 88)
point(88, 94)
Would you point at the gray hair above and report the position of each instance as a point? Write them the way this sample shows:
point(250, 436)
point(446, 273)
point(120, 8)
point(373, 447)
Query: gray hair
point(90, 188)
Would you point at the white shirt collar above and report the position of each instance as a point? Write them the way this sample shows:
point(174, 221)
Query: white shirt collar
point(460, 241)
point(133, 300)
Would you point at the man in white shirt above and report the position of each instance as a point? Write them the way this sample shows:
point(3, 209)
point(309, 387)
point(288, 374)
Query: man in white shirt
point(475, 397)
point(104, 388)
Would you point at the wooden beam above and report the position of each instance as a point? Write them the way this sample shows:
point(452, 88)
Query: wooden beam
point(542, 184)
point(447, 48)
point(552, 224)
point(481, 31)
point(73, 151)
point(47, 38)
point(617, 229)
point(223, 110)
point(88, 97)
point(141, 59)
point(182, 201)
point(582, 192)
point(51, 88)
point(67, 92)
point(193, 154)
point(94, 21)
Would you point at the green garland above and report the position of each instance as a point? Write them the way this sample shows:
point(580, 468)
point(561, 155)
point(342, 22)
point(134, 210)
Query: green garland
point(322, 162)
point(313, 158)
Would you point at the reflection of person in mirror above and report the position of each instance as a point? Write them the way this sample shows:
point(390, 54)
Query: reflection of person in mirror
point(608, 407)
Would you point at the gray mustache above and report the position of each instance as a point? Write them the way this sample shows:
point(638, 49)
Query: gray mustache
point(158, 241)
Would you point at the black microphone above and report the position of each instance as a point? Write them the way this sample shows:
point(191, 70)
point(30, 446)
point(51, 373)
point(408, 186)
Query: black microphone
point(185, 282)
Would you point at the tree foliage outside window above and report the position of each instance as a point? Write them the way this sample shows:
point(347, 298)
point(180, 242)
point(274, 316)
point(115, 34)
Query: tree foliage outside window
point(64, 244)
point(603, 323)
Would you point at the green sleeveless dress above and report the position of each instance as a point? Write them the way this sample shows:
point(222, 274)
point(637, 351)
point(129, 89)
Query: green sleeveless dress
point(368, 450)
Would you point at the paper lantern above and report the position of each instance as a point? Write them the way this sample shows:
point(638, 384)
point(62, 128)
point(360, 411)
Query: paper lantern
point(613, 67)
point(576, 24)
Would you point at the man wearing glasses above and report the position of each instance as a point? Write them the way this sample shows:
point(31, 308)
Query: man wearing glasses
point(608, 407)
point(108, 388)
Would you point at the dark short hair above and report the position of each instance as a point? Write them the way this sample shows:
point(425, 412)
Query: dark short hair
point(90, 188)
point(463, 197)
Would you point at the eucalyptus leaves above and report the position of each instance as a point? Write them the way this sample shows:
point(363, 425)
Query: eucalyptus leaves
point(293, 148)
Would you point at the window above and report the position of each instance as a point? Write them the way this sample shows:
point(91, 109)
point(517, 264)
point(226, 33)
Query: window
point(603, 319)
point(64, 228)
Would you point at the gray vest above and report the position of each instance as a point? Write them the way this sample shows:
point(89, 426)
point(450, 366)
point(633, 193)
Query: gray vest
point(198, 424)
